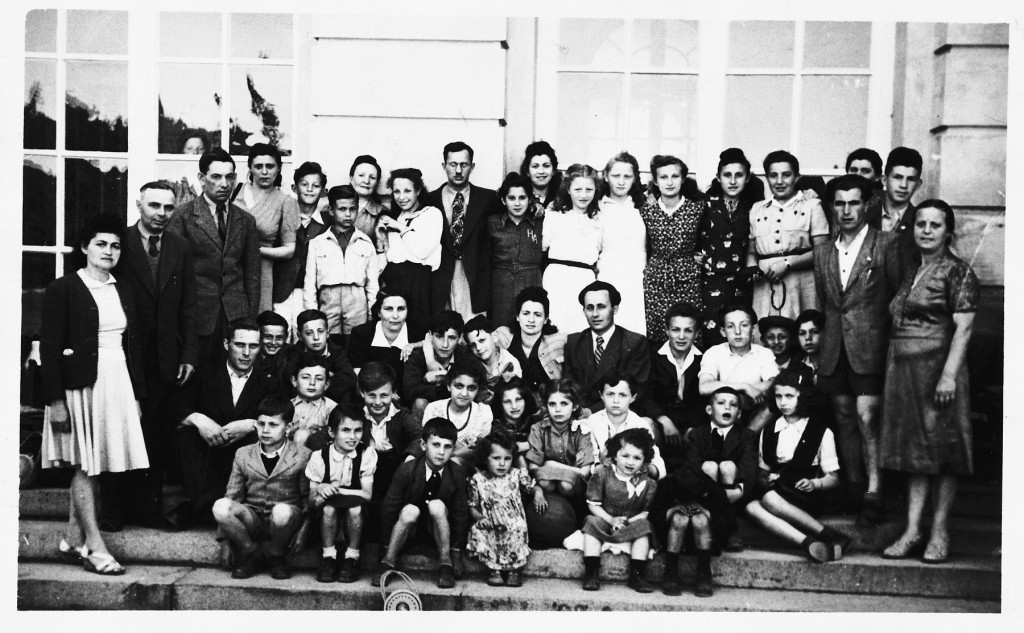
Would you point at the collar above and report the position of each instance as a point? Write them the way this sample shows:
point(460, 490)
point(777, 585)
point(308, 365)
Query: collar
point(666, 351)
point(334, 451)
point(505, 218)
point(392, 412)
point(92, 283)
point(210, 203)
point(275, 454)
point(452, 191)
point(661, 203)
point(379, 340)
point(607, 336)
point(633, 489)
point(797, 197)
point(799, 425)
point(576, 425)
point(431, 471)
point(232, 374)
point(147, 234)
point(721, 431)
point(858, 239)
point(749, 351)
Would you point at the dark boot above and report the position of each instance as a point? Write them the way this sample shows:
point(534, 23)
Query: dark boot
point(670, 585)
point(703, 588)
point(840, 542)
point(591, 570)
point(637, 581)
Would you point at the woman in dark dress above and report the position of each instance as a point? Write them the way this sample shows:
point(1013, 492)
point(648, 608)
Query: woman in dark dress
point(386, 337)
point(724, 237)
point(926, 426)
point(516, 247)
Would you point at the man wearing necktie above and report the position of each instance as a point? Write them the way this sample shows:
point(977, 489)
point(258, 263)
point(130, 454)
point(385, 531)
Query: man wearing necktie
point(156, 266)
point(225, 248)
point(462, 281)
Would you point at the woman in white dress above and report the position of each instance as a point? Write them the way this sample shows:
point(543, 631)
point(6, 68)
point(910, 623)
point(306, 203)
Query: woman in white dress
point(572, 238)
point(624, 248)
point(91, 371)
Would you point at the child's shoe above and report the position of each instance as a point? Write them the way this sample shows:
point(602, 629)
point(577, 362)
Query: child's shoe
point(703, 588)
point(591, 569)
point(670, 585)
point(328, 571)
point(515, 578)
point(840, 542)
point(445, 576)
point(349, 570)
point(734, 544)
point(636, 581)
point(249, 565)
point(495, 579)
point(279, 569)
point(817, 549)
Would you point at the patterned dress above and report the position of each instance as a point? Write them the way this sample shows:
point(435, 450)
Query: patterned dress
point(672, 274)
point(916, 436)
point(722, 245)
point(499, 539)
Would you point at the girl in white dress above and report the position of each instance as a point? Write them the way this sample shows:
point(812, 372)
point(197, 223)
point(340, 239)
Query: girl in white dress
point(572, 239)
point(624, 248)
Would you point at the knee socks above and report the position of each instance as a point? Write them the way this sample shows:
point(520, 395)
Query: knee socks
point(591, 565)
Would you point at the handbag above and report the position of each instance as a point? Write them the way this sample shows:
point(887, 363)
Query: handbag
point(399, 599)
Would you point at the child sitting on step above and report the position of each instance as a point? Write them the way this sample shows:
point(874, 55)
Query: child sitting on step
point(472, 420)
point(561, 454)
point(798, 466)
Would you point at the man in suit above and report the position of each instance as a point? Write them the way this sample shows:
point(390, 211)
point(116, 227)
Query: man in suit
point(893, 212)
point(462, 281)
point(594, 352)
point(156, 267)
point(216, 414)
point(226, 252)
point(856, 276)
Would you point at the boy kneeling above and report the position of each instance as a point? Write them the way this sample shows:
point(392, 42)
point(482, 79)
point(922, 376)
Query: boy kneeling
point(429, 492)
point(341, 483)
point(266, 495)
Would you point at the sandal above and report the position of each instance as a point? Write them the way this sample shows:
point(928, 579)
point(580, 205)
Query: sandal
point(102, 564)
point(71, 554)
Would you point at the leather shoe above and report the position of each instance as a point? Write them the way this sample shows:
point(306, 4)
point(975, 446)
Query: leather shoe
point(279, 569)
point(179, 518)
point(349, 570)
point(515, 578)
point(328, 571)
point(704, 587)
point(445, 576)
point(639, 584)
point(670, 585)
point(494, 579)
point(734, 544)
point(250, 565)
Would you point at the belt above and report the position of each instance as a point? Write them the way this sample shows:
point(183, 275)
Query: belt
point(515, 267)
point(572, 264)
point(795, 251)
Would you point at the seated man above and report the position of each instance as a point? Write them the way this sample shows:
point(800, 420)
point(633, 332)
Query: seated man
point(592, 353)
point(217, 414)
point(426, 368)
point(313, 337)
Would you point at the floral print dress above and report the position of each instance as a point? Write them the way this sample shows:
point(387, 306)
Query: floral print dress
point(672, 274)
point(722, 246)
point(499, 539)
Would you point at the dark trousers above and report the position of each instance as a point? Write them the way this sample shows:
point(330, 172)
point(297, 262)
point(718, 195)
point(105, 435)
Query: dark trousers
point(205, 469)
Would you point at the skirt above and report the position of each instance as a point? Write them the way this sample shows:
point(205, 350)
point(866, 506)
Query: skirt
point(106, 432)
point(602, 530)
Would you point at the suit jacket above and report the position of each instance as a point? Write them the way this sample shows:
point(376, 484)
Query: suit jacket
point(166, 308)
point(407, 488)
point(250, 484)
point(476, 256)
point(859, 313)
point(626, 351)
point(227, 273)
point(663, 389)
point(403, 431)
point(209, 393)
point(69, 338)
point(740, 447)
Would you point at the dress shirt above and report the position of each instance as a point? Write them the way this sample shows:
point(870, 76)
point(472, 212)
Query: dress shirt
point(379, 430)
point(237, 382)
point(666, 351)
point(448, 198)
point(848, 254)
point(607, 336)
point(341, 466)
point(379, 340)
point(721, 363)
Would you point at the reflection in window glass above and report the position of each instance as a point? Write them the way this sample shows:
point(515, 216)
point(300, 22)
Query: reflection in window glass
point(589, 117)
point(591, 42)
point(40, 104)
point(39, 204)
point(189, 108)
point(837, 44)
point(41, 31)
point(92, 187)
point(37, 270)
point(662, 116)
point(665, 44)
point(97, 106)
point(761, 44)
point(183, 174)
point(834, 119)
point(102, 32)
point(190, 34)
point(261, 35)
point(260, 108)
point(757, 114)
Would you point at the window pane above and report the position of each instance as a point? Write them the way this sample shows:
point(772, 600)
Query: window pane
point(190, 34)
point(761, 44)
point(260, 108)
point(589, 117)
point(37, 270)
point(757, 114)
point(41, 31)
point(40, 104)
point(39, 207)
point(93, 186)
point(261, 35)
point(663, 116)
point(189, 107)
point(837, 44)
point(591, 42)
point(97, 106)
point(104, 32)
point(665, 44)
point(834, 119)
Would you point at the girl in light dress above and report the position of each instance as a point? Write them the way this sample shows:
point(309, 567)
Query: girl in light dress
point(499, 535)
point(624, 247)
point(472, 419)
point(572, 237)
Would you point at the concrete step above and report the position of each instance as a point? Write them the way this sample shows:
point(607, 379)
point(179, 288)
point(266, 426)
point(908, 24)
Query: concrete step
point(968, 577)
point(54, 503)
point(65, 587)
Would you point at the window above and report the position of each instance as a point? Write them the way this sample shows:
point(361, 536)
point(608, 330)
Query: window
point(75, 157)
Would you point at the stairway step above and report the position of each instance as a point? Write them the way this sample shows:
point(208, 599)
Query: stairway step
point(55, 503)
point(789, 569)
point(64, 587)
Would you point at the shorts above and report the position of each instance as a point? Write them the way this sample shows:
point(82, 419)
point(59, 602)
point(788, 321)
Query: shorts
point(258, 522)
point(344, 502)
point(846, 382)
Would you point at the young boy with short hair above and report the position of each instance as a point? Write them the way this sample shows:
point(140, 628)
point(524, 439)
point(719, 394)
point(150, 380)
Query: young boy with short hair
point(424, 379)
point(340, 483)
point(314, 337)
point(312, 406)
point(266, 495)
point(618, 391)
point(809, 326)
point(741, 364)
point(341, 267)
point(673, 398)
point(273, 344)
point(498, 363)
point(428, 493)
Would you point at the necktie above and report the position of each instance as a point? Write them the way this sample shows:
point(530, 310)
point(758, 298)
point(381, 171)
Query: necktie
point(433, 485)
point(154, 243)
point(599, 350)
point(458, 213)
point(222, 220)
point(717, 441)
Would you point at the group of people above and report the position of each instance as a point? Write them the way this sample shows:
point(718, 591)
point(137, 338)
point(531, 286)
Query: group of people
point(644, 365)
